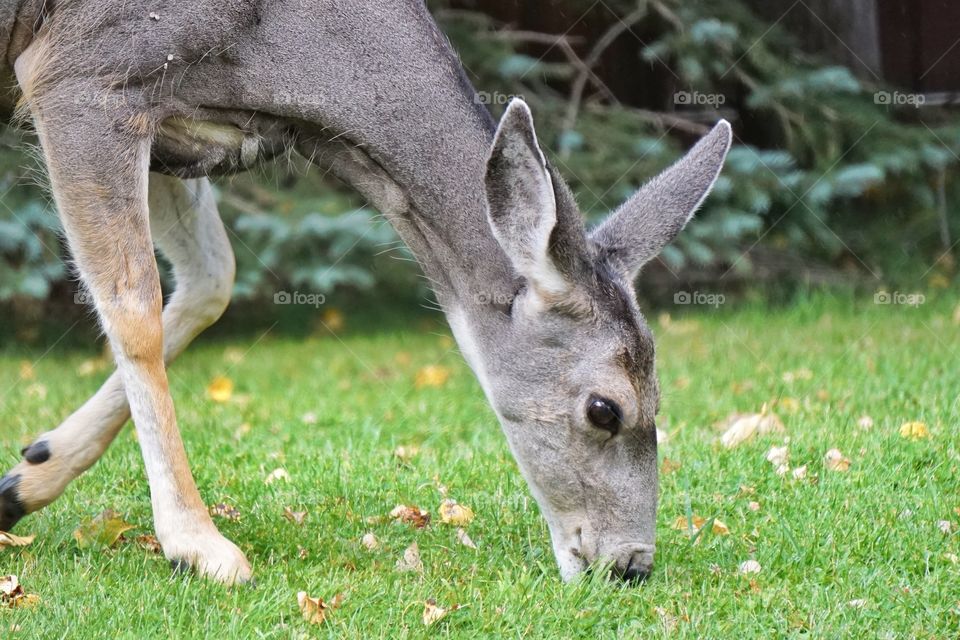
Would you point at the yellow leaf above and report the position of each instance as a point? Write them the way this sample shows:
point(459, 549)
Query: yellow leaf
point(719, 528)
point(277, 474)
point(334, 319)
point(455, 514)
point(433, 375)
point(26, 370)
point(681, 523)
point(315, 610)
point(220, 389)
point(10, 540)
point(835, 461)
point(433, 613)
point(405, 453)
point(668, 466)
point(914, 430)
point(103, 530)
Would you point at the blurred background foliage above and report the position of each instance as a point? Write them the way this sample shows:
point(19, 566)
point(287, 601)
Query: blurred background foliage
point(827, 184)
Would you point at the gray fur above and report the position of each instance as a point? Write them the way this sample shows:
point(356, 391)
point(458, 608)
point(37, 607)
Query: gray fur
point(545, 316)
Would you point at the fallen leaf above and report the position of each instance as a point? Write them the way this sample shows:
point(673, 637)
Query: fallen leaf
point(277, 474)
point(456, 514)
point(865, 423)
point(668, 466)
point(220, 389)
point(800, 472)
point(945, 526)
point(859, 603)
point(13, 595)
point(103, 530)
point(800, 374)
point(778, 456)
point(296, 517)
point(464, 539)
point(410, 560)
point(26, 370)
point(10, 540)
point(835, 461)
point(406, 453)
point(691, 525)
point(789, 405)
point(951, 557)
point(315, 610)
point(753, 505)
point(333, 319)
point(741, 427)
point(433, 375)
point(719, 528)
point(224, 510)
point(433, 613)
point(914, 430)
point(411, 514)
point(309, 418)
point(149, 543)
point(749, 566)
point(369, 541)
point(91, 367)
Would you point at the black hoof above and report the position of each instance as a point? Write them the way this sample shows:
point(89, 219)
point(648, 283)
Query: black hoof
point(179, 565)
point(11, 508)
point(37, 453)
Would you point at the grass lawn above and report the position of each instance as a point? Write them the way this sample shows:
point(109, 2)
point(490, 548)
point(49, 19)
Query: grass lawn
point(858, 553)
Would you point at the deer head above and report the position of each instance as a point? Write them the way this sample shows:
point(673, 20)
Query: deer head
point(570, 370)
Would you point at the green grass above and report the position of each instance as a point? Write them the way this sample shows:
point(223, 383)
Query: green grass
point(869, 534)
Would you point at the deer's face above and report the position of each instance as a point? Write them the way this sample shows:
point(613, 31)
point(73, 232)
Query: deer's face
point(570, 371)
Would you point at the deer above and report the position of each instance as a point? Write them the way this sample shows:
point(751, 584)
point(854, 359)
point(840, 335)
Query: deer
point(136, 105)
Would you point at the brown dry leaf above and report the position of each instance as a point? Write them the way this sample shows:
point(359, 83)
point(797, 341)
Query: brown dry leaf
point(296, 517)
point(224, 510)
point(914, 430)
point(410, 560)
point(315, 610)
point(835, 461)
point(411, 514)
point(741, 427)
point(433, 613)
point(277, 474)
point(406, 453)
point(103, 530)
point(369, 541)
point(720, 528)
point(149, 543)
point(334, 319)
point(456, 514)
point(220, 389)
point(10, 540)
point(13, 595)
point(464, 539)
point(668, 466)
point(433, 375)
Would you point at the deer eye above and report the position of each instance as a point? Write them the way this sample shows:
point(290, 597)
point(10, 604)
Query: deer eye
point(604, 414)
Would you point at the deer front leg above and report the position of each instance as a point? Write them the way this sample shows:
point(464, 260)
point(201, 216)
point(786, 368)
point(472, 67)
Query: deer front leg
point(187, 229)
point(98, 167)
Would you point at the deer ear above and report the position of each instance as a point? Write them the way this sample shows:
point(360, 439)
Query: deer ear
point(521, 202)
point(652, 217)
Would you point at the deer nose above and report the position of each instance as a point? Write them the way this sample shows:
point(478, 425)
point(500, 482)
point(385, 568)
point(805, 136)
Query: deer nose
point(638, 568)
